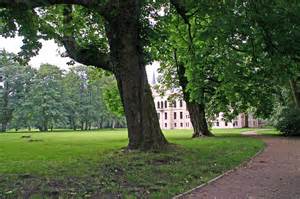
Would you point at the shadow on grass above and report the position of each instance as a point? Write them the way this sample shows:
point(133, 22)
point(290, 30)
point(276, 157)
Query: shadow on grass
point(70, 131)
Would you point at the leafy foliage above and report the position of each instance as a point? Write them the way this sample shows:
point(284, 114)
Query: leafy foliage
point(288, 122)
point(52, 98)
point(16, 82)
point(113, 100)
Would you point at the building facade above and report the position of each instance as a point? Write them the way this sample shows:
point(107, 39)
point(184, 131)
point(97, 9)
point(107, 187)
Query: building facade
point(174, 115)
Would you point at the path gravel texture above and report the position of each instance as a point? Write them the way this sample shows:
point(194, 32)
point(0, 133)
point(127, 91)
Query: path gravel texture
point(275, 173)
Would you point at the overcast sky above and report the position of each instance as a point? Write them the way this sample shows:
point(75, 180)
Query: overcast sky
point(49, 54)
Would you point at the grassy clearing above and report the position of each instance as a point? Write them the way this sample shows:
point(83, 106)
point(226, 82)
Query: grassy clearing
point(91, 164)
point(268, 132)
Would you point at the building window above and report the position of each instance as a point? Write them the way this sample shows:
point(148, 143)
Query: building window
point(187, 116)
point(235, 123)
point(175, 115)
point(166, 116)
point(166, 104)
point(158, 115)
point(162, 104)
point(187, 124)
point(181, 124)
point(175, 125)
point(158, 105)
point(217, 123)
point(166, 125)
point(226, 123)
point(174, 104)
point(181, 115)
point(180, 103)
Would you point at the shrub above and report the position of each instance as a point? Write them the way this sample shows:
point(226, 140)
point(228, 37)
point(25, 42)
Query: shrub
point(288, 122)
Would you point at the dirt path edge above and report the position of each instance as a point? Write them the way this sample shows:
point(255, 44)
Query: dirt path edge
point(226, 172)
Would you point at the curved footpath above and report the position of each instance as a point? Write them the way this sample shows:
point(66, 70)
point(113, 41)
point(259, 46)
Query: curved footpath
point(274, 173)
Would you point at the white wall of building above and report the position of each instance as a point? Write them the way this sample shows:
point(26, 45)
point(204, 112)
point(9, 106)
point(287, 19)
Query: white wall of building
point(177, 116)
point(172, 116)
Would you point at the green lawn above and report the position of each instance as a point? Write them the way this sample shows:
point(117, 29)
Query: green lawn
point(92, 164)
point(269, 132)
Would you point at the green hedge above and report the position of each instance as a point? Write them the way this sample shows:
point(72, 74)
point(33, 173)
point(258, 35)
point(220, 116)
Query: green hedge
point(289, 122)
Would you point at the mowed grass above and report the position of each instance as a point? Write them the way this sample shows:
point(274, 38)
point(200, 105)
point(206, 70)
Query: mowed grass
point(93, 164)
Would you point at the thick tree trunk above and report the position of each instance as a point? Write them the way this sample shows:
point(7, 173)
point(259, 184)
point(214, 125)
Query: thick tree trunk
point(196, 110)
point(123, 31)
point(198, 119)
point(143, 127)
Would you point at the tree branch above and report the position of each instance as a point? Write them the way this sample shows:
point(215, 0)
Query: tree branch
point(27, 4)
point(87, 55)
point(97, 5)
point(90, 55)
point(181, 10)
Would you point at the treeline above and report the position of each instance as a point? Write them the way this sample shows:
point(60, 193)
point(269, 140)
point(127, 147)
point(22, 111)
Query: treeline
point(48, 97)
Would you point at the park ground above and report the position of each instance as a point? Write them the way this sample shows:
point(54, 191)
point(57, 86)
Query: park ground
point(93, 165)
point(273, 173)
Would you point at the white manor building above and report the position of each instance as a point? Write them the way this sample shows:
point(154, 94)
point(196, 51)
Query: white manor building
point(174, 115)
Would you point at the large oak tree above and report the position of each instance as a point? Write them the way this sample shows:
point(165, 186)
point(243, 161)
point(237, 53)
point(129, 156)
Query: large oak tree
point(106, 34)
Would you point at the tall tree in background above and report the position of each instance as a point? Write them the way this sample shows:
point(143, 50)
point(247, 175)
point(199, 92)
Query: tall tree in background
point(45, 97)
point(22, 114)
point(85, 30)
point(71, 95)
point(16, 81)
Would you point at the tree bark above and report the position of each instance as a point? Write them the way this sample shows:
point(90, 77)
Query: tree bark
point(123, 31)
point(198, 119)
point(196, 110)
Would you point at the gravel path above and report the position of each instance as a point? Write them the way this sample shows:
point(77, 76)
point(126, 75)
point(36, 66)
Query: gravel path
point(275, 173)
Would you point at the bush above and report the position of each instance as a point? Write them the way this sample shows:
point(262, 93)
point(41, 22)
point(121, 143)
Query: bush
point(288, 122)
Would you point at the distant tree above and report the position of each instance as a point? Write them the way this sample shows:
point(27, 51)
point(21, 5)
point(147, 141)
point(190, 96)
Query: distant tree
point(84, 99)
point(22, 114)
point(71, 96)
point(46, 97)
point(113, 101)
point(16, 83)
